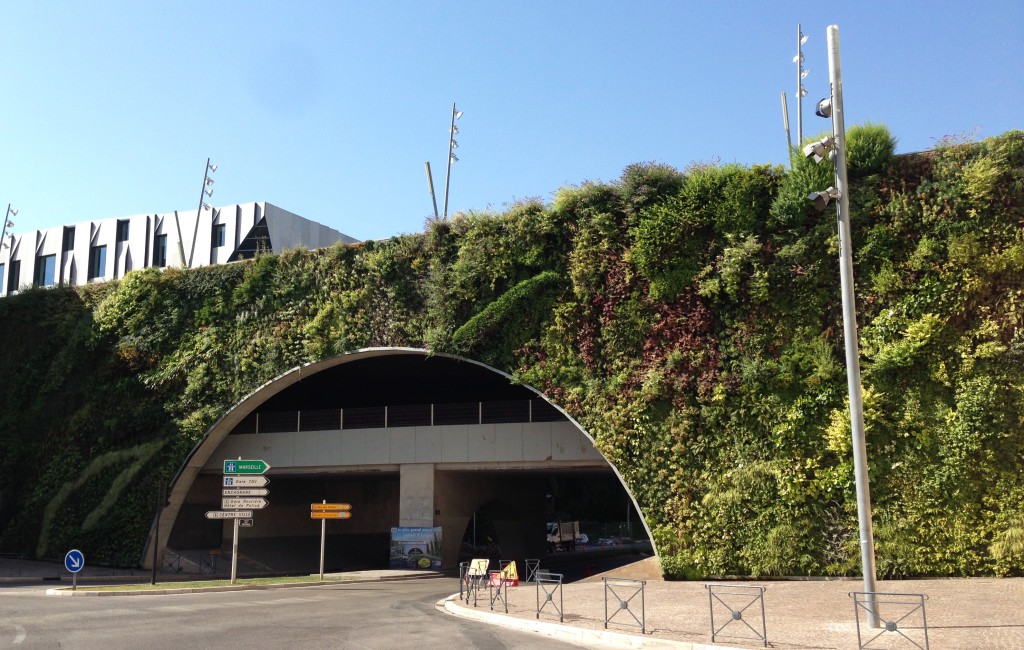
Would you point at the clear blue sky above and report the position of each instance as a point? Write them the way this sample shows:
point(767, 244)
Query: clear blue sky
point(329, 109)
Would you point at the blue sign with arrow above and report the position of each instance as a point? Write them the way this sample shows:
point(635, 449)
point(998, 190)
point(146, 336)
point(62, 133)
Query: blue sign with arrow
point(74, 561)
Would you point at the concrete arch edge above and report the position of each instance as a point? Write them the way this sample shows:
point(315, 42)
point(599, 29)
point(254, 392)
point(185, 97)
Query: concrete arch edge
point(200, 453)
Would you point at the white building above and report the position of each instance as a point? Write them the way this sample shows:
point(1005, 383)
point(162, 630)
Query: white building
point(105, 249)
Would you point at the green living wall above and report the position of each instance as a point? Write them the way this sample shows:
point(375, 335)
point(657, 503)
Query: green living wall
point(690, 320)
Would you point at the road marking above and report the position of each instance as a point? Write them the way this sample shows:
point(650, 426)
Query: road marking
point(19, 632)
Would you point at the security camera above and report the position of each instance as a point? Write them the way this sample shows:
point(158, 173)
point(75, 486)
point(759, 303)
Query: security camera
point(824, 108)
point(822, 199)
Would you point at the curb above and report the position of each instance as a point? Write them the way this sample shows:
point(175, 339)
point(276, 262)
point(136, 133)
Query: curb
point(579, 635)
point(170, 591)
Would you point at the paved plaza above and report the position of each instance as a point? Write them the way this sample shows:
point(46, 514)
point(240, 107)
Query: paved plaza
point(968, 613)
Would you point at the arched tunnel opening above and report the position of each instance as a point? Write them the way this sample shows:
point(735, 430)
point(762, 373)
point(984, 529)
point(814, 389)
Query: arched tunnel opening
point(412, 443)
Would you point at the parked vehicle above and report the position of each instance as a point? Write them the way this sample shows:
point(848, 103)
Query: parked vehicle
point(562, 535)
point(582, 539)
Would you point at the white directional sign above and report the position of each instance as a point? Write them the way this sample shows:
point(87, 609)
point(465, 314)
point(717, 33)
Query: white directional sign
point(228, 514)
point(229, 503)
point(246, 481)
point(245, 492)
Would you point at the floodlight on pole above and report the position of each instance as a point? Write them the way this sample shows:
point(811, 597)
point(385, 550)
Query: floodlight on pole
point(818, 151)
point(833, 106)
point(456, 114)
point(801, 74)
point(822, 199)
point(11, 212)
point(204, 191)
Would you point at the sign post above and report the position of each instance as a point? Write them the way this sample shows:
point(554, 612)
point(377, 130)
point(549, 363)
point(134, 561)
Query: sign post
point(323, 512)
point(243, 488)
point(234, 551)
point(161, 499)
point(74, 562)
point(323, 541)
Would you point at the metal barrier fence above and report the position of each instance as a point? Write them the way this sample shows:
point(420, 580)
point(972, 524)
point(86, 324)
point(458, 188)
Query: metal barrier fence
point(170, 562)
point(550, 584)
point(619, 586)
point(463, 574)
point(735, 600)
point(208, 563)
point(904, 608)
point(475, 577)
point(532, 567)
point(497, 585)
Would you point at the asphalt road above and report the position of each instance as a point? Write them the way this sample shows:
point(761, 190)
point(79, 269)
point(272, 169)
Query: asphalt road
point(389, 615)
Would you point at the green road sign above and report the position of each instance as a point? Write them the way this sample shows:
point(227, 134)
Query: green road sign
point(245, 466)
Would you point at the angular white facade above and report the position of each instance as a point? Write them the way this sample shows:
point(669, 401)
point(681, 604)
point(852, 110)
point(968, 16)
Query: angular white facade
point(106, 249)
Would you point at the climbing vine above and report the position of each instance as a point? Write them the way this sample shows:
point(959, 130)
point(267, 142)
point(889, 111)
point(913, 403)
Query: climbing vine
point(690, 320)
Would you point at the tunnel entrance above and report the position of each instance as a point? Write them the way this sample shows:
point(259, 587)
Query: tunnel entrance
point(409, 440)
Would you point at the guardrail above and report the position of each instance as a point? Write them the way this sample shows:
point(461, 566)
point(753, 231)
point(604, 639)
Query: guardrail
point(405, 415)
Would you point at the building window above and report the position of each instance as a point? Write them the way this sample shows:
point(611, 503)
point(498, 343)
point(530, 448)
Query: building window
point(2, 269)
point(160, 250)
point(14, 279)
point(122, 230)
point(69, 239)
point(218, 234)
point(97, 262)
point(46, 265)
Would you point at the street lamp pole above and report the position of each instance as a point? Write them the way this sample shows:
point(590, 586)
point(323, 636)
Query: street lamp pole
point(785, 124)
point(860, 459)
point(204, 191)
point(430, 186)
point(456, 114)
point(800, 90)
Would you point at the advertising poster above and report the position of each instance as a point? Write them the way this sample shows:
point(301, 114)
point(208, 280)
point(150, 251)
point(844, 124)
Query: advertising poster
point(415, 548)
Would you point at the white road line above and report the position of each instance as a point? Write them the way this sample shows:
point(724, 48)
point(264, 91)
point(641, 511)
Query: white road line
point(19, 634)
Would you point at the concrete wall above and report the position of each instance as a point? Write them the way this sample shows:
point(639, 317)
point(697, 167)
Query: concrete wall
point(446, 473)
point(536, 442)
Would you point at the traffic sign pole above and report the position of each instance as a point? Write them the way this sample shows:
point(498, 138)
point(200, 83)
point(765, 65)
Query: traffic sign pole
point(234, 553)
point(161, 498)
point(323, 540)
point(242, 480)
point(74, 562)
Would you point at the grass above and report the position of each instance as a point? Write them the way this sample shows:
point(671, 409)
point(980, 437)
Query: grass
point(206, 584)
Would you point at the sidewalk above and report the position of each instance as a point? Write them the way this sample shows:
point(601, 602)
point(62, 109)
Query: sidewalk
point(19, 570)
point(969, 613)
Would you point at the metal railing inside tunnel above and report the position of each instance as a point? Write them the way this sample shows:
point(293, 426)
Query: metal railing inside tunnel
point(405, 415)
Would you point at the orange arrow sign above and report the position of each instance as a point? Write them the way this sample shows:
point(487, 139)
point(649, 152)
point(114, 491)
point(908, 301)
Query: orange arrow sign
point(330, 506)
point(335, 514)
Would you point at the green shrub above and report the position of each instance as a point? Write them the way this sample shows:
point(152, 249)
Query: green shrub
point(869, 148)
